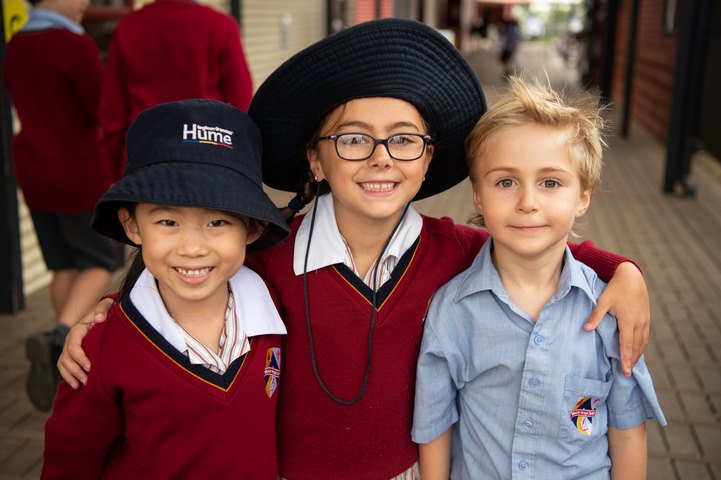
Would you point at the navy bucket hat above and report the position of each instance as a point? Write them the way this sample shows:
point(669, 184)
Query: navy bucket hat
point(194, 153)
point(396, 58)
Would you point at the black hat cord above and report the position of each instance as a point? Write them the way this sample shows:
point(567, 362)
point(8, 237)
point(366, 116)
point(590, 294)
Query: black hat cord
point(374, 312)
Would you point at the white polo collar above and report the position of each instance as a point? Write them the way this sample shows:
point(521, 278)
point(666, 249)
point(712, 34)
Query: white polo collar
point(254, 307)
point(327, 246)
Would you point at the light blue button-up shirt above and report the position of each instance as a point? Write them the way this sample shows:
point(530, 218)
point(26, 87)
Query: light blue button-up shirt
point(526, 400)
point(42, 19)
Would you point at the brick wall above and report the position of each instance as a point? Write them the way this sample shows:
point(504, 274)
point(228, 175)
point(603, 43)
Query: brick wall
point(653, 70)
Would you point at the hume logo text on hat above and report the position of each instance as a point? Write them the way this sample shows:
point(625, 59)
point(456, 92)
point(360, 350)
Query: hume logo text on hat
point(212, 135)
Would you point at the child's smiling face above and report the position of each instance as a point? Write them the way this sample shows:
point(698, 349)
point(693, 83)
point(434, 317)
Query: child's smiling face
point(527, 188)
point(377, 188)
point(191, 252)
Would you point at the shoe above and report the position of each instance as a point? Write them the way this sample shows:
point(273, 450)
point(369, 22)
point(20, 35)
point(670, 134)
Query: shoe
point(43, 351)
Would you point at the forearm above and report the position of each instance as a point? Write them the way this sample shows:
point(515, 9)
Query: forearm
point(73, 364)
point(435, 457)
point(627, 449)
point(626, 297)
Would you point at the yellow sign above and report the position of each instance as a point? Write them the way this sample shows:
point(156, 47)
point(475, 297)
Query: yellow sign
point(15, 14)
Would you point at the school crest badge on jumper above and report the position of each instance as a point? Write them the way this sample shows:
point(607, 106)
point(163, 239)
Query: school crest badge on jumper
point(583, 413)
point(272, 370)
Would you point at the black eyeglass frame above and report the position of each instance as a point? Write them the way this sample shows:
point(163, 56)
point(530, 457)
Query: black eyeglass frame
point(427, 140)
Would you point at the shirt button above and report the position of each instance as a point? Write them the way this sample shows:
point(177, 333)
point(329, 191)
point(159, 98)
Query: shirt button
point(538, 339)
point(528, 423)
point(533, 382)
point(522, 465)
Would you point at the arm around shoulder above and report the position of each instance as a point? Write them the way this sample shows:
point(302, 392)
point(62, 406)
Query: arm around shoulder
point(603, 262)
point(467, 239)
point(73, 364)
point(626, 298)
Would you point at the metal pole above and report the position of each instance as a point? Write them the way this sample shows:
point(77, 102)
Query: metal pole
point(588, 67)
point(684, 103)
point(609, 47)
point(12, 297)
point(236, 11)
point(630, 59)
point(696, 68)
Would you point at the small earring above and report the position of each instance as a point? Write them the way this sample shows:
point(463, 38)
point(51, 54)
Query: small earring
point(315, 177)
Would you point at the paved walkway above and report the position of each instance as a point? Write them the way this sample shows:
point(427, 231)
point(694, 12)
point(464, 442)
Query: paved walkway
point(675, 240)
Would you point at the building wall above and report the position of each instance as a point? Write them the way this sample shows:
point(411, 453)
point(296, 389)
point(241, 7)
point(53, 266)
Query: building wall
point(35, 274)
point(366, 9)
point(653, 70)
point(273, 30)
point(708, 117)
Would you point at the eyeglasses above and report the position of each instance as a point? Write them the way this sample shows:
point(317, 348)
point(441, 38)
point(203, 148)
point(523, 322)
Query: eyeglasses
point(359, 146)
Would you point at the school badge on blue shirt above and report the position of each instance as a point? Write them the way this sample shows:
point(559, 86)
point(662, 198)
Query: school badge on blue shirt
point(583, 413)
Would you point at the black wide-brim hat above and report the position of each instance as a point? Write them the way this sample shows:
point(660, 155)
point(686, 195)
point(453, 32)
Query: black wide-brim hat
point(396, 58)
point(192, 153)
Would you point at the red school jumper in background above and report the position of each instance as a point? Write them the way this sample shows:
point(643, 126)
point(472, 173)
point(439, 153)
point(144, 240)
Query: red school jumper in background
point(59, 162)
point(170, 50)
point(54, 74)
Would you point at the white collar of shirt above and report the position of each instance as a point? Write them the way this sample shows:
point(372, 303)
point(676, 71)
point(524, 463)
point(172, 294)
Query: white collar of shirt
point(254, 308)
point(328, 247)
point(233, 344)
point(43, 19)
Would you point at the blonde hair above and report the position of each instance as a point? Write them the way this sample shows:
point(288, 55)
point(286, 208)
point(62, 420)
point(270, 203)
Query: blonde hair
point(538, 103)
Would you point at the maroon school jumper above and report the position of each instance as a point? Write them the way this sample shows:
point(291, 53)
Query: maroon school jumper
point(319, 438)
point(147, 413)
point(54, 79)
point(170, 50)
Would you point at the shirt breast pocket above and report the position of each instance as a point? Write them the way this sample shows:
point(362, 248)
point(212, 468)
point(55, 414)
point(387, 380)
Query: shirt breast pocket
point(584, 414)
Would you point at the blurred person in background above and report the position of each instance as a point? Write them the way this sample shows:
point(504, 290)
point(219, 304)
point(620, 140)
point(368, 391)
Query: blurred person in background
point(53, 73)
point(170, 50)
point(511, 39)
